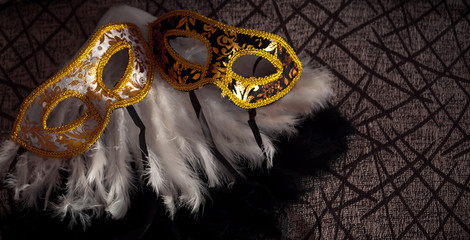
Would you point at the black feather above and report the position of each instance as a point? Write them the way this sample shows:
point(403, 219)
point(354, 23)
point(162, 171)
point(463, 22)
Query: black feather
point(247, 210)
point(320, 142)
point(251, 210)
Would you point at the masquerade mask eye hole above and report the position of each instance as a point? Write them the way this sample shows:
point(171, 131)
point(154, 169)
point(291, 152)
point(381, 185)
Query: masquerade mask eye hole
point(63, 115)
point(115, 68)
point(190, 49)
point(253, 66)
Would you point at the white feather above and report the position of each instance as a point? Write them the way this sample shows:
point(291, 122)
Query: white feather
point(118, 172)
point(34, 177)
point(8, 150)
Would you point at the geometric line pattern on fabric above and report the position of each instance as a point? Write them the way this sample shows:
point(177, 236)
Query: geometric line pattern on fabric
point(401, 76)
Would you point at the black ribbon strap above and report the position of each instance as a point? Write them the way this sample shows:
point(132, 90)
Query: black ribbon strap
point(257, 135)
point(258, 60)
point(142, 143)
point(254, 126)
point(207, 134)
point(255, 129)
point(148, 193)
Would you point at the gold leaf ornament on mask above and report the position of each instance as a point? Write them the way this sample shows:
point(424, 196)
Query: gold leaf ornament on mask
point(82, 79)
point(224, 44)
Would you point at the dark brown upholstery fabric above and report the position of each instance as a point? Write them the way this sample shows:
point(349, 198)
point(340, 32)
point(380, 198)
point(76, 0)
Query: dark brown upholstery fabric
point(401, 76)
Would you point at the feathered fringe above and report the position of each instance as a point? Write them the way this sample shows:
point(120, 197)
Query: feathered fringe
point(181, 167)
point(248, 210)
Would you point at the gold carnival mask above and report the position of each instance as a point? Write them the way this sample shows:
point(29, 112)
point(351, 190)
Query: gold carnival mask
point(224, 44)
point(82, 79)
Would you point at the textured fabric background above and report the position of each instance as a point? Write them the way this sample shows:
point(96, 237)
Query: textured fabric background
point(401, 76)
